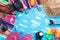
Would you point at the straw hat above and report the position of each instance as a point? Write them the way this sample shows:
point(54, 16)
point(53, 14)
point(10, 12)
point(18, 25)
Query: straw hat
point(52, 7)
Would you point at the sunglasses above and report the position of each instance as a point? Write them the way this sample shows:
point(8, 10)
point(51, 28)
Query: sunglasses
point(5, 25)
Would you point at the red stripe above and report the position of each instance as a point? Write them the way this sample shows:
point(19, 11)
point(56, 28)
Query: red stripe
point(42, 1)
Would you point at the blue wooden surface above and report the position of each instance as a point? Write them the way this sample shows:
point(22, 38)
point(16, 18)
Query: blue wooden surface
point(35, 21)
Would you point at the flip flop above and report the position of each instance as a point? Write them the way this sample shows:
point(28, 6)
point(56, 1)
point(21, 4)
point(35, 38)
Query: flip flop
point(13, 36)
point(27, 37)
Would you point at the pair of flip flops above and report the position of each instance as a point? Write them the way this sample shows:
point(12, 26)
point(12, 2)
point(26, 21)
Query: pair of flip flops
point(16, 36)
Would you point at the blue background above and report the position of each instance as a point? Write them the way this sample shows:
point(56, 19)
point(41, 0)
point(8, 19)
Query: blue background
point(35, 21)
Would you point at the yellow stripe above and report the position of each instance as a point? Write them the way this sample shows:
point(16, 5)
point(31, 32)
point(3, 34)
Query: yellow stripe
point(31, 2)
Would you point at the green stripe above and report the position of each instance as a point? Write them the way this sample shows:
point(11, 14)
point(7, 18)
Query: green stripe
point(4, 2)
